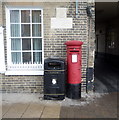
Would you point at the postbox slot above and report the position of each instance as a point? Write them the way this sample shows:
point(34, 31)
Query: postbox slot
point(74, 51)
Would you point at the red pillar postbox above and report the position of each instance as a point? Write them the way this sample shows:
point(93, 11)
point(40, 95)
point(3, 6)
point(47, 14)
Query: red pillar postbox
point(73, 89)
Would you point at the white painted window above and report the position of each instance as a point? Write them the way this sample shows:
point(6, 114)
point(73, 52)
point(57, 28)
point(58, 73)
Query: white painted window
point(24, 41)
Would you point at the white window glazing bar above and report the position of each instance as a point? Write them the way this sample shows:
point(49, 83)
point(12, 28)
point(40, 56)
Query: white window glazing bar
point(31, 36)
point(42, 37)
point(20, 34)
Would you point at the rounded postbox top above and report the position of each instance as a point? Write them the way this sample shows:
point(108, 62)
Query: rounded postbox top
point(73, 43)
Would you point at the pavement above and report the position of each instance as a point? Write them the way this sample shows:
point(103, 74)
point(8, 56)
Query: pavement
point(92, 105)
point(103, 107)
point(35, 110)
point(28, 106)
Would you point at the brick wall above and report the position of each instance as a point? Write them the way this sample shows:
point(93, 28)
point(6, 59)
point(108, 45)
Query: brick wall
point(91, 50)
point(54, 44)
point(0, 25)
point(0, 13)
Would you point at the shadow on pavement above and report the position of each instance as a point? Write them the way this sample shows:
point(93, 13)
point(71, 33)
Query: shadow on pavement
point(106, 76)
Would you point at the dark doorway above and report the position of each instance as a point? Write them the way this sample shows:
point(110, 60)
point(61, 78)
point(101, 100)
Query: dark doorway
point(107, 47)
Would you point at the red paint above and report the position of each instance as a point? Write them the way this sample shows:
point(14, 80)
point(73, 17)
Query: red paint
point(74, 68)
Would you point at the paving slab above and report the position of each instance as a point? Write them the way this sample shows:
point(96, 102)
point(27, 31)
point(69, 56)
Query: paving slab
point(5, 108)
point(51, 112)
point(33, 111)
point(16, 110)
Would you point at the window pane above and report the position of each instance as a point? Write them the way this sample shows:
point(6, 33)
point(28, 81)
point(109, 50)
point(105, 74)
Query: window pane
point(25, 16)
point(26, 57)
point(25, 30)
point(15, 44)
point(26, 44)
point(36, 30)
point(37, 57)
point(15, 30)
point(36, 16)
point(14, 16)
point(16, 57)
point(37, 44)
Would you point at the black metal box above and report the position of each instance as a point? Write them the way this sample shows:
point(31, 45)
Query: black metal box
point(54, 79)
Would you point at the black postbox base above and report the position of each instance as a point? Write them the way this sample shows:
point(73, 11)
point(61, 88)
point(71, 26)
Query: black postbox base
point(73, 91)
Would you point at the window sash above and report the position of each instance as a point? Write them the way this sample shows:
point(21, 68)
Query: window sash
point(38, 52)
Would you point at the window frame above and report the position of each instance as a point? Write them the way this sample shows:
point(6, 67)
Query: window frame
point(23, 69)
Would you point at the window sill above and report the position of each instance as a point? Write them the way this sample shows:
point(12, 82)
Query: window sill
point(24, 72)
